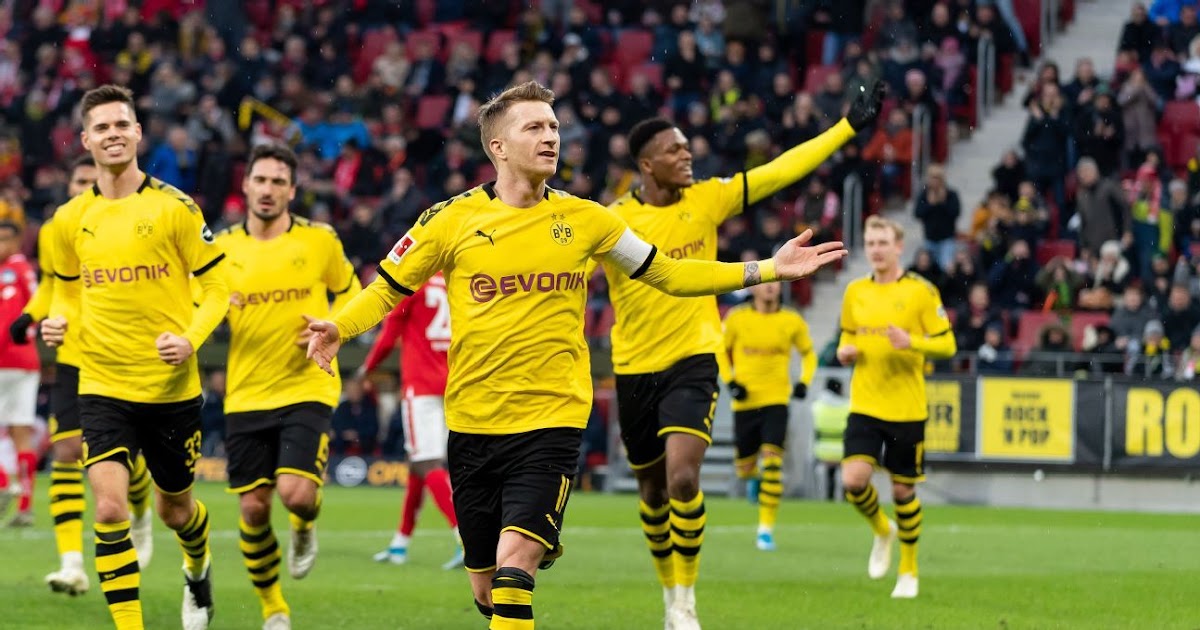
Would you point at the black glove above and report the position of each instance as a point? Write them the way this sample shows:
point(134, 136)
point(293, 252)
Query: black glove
point(800, 391)
point(866, 107)
point(19, 330)
point(737, 390)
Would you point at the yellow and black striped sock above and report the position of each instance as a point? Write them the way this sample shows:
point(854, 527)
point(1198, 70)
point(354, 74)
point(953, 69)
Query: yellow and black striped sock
point(908, 522)
point(67, 505)
point(260, 552)
point(512, 600)
point(770, 492)
point(687, 534)
point(117, 565)
point(301, 524)
point(656, 525)
point(193, 539)
point(867, 503)
point(139, 487)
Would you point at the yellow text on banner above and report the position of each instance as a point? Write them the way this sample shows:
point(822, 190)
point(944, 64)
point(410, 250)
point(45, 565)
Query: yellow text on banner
point(942, 431)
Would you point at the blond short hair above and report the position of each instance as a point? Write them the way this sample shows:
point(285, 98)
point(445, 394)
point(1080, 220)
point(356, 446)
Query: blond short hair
point(492, 111)
point(876, 222)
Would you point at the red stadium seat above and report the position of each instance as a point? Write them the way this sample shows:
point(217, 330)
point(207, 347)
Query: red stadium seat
point(432, 111)
point(814, 77)
point(1029, 14)
point(417, 38)
point(426, 10)
point(374, 42)
point(1028, 328)
point(1004, 73)
point(1049, 249)
point(1080, 322)
point(496, 43)
point(634, 47)
point(474, 39)
point(814, 44)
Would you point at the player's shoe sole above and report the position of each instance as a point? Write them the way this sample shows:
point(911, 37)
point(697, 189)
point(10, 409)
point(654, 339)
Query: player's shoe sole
point(70, 581)
point(278, 621)
point(906, 586)
point(881, 553)
point(197, 609)
point(141, 531)
point(302, 552)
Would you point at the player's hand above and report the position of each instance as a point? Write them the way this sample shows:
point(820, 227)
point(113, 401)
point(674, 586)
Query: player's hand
point(173, 349)
point(847, 355)
point(800, 390)
point(19, 330)
point(899, 337)
point(53, 331)
point(324, 343)
point(737, 390)
point(794, 260)
point(866, 106)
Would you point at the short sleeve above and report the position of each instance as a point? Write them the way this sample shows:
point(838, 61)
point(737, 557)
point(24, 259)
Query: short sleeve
point(423, 251)
point(196, 243)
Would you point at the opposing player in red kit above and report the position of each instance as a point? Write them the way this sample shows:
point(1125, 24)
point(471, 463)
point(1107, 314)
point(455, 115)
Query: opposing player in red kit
point(19, 373)
point(420, 326)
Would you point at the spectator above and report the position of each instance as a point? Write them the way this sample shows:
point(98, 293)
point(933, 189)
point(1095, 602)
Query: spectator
point(897, 26)
point(1145, 193)
point(362, 240)
point(1189, 359)
point(1130, 317)
point(1084, 86)
point(994, 355)
point(1180, 34)
point(1045, 142)
point(1100, 132)
point(1139, 32)
point(705, 163)
point(1105, 355)
point(1180, 317)
point(1154, 354)
point(1109, 276)
point(891, 148)
point(1011, 280)
point(1051, 355)
point(1102, 210)
point(925, 266)
point(426, 74)
point(818, 208)
point(1008, 174)
point(212, 416)
point(974, 318)
point(830, 99)
point(355, 424)
point(959, 278)
point(174, 161)
point(1029, 215)
point(1139, 106)
point(1161, 70)
point(685, 74)
point(938, 208)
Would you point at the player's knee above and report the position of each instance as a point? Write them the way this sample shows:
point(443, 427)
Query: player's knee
point(903, 491)
point(175, 511)
point(68, 451)
point(653, 495)
point(255, 512)
point(299, 498)
point(111, 509)
point(683, 484)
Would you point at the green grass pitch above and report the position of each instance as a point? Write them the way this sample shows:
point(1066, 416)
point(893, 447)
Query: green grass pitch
point(981, 568)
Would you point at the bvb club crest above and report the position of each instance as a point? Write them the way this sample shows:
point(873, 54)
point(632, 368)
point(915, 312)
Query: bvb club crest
point(144, 229)
point(560, 230)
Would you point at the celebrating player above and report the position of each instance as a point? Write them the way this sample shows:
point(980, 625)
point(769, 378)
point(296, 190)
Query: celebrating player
point(66, 473)
point(19, 373)
point(665, 348)
point(276, 421)
point(134, 242)
point(759, 338)
point(892, 322)
point(421, 324)
point(519, 393)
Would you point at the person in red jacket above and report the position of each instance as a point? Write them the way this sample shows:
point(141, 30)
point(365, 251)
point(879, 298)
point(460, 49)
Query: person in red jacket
point(420, 325)
point(891, 147)
point(19, 374)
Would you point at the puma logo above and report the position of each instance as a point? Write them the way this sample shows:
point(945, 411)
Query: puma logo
point(87, 231)
point(487, 236)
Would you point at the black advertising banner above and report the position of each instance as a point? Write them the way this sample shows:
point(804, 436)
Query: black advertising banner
point(1091, 406)
point(1155, 426)
point(343, 471)
point(950, 432)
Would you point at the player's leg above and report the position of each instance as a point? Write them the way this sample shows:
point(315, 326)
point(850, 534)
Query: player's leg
point(110, 437)
point(539, 467)
point(905, 459)
point(746, 440)
point(251, 452)
point(66, 482)
point(773, 435)
point(427, 451)
point(171, 442)
point(637, 405)
point(303, 455)
point(863, 444)
point(477, 494)
point(410, 507)
point(139, 507)
point(19, 409)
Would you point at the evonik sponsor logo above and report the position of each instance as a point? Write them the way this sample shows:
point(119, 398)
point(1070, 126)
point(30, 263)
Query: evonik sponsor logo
point(256, 298)
point(124, 275)
point(485, 288)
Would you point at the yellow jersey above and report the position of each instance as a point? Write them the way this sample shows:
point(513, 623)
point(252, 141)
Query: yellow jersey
point(273, 285)
point(133, 257)
point(760, 352)
point(55, 298)
point(887, 383)
point(653, 330)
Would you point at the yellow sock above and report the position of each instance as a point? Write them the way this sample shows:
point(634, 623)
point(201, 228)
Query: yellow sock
point(139, 487)
point(260, 553)
point(770, 492)
point(867, 503)
point(67, 505)
point(908, 522)
point(512, 600)
point(193, 539)
point(117, 566)
point(301, 524)
point(656, 526)
point(687, 534)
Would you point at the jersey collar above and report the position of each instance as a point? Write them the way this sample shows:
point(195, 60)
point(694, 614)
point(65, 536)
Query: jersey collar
point(144, 186)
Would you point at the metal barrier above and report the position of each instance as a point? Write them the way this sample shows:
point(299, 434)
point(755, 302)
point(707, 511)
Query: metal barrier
point(852, 211)
point(985, 80)
point(922, 126)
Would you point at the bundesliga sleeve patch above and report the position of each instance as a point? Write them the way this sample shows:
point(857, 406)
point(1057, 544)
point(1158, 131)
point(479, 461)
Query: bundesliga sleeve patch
point(402, 246)
point(206, 234)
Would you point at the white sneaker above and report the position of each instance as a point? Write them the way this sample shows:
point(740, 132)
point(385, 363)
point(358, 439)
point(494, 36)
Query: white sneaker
point(302, 552)
point(682, 615)
point(394, 555)
point(142, 532)
point(278, 621)
point(668, 603)
point(70, 580)
point(881, 553)
point(906, 587)
point(197, 609)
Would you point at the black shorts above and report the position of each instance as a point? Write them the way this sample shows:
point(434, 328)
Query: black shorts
point(679, 399)
point(262, 444)
point(64, 403)
point(754, 428)
point(897, 446)
point(517, 482)
point(168, 435)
